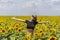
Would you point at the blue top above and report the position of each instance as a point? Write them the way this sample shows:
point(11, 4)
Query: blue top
point(30, 25)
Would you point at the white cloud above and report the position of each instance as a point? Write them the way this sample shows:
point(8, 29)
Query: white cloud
point(52, 0)
point(5, 5)
point(56, 8)
point(40, 6)
point(38, 3)
point(6, 0)
point(29, 4)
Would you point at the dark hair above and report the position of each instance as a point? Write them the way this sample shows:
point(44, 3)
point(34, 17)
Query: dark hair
point(35, 18)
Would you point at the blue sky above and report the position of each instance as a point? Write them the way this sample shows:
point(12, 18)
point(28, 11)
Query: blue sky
point(29, 7)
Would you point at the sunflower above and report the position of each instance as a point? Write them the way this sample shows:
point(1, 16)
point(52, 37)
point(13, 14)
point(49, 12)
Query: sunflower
point(55, 23)
point(42, 35)
point(28, 36)
point(52, 30)
point(19, 30)
point(40, 30)
point(10, 28)
point(35, 35)
point(44, 27)
point(3, 31)
point(16, 25)
point(1, 20)
point(52, 38)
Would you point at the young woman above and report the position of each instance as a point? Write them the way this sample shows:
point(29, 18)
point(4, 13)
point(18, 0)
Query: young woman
point(30, 23)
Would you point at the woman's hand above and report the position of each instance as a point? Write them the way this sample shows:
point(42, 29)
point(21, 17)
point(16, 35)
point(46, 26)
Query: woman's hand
point(13, 18)
point(18, 19)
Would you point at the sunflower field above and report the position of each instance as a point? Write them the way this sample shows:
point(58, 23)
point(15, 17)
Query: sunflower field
point(16, 30)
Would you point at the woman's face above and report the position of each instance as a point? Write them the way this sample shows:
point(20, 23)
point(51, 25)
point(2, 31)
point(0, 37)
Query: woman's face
point(32, 18)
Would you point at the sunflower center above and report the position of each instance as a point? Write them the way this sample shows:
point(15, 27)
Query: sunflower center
point(40, 31)
point(16, 28)
point(3, 31)
point(19, 30)
point(52, 39)
point(51, 30)
point(16, 25)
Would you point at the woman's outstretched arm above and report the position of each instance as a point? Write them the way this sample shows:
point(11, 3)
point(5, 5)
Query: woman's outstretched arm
point(18, 19)
point(43, 22)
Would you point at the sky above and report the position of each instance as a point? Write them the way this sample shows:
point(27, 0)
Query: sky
point(29, 7)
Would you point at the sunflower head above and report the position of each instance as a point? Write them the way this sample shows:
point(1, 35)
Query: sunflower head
point(52, 30)
point(35, 35)
point(28, 36)
point(52, 38)
point(16, 28)
point(45, 28)
point(42, 35)
point(55, 23)
point(3, 31)
point(16, 25)
point(40, 31)
point(19, 30)
point(10, 28)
